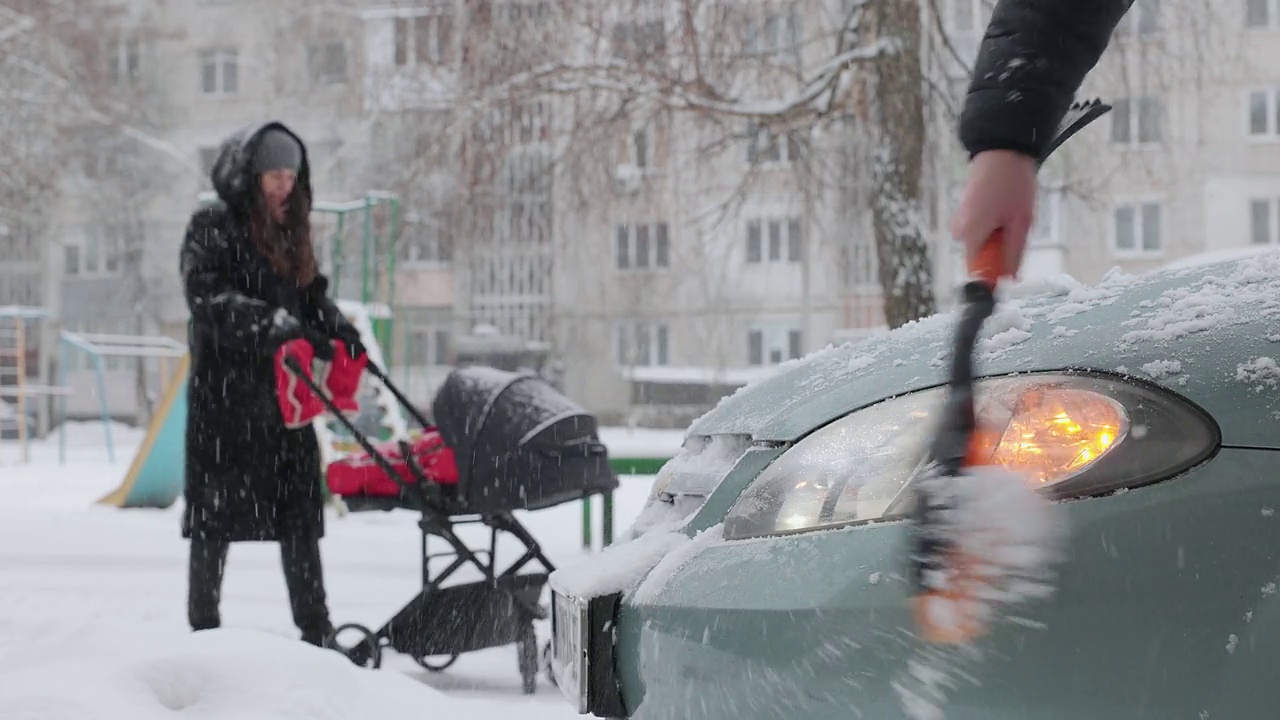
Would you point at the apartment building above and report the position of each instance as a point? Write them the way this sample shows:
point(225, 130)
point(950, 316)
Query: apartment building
point(656, 297)
point(192, 73)
point(640, 306)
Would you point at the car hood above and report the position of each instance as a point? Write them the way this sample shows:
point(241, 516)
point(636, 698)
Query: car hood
point(1208, 332)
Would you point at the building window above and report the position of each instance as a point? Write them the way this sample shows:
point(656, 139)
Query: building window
point(1264, 221)
point(71, 259)
point(428, 346)
point(208, 156)
point(425, 39)
point(772, 34)
point(97, 252)
point(640, 149)
point(1138, 229)
point(1044, 229)
point(641, 246)
point(638, 41)
point(1262, 14)
point(1142, 19)
point(101, 163)
point(424, 241)
point(858, 264)
point(20, 288)
point(765, 146)
point(644, 344)
point(1264, 113)
point(771, 346)
point(1137, 121)
point(773, 240)
point(124, 61)
point(509, 13)
point(220, 72)
point(327, 63)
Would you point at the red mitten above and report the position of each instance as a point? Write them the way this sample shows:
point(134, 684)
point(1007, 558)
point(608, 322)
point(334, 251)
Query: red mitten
point(342, 378)
point(299, 405)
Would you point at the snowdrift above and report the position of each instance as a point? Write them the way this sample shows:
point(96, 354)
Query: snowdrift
point(135, 674)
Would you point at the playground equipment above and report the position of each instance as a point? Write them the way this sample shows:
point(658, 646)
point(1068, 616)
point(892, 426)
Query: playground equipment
point(97, 347)
point(154, 478)
point(16, 363)
point(366, 275)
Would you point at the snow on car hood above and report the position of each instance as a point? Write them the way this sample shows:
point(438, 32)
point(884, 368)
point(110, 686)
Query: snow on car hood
point(1209, 332)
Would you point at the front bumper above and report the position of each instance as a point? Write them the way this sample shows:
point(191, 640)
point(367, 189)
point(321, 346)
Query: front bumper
point(1165, 609)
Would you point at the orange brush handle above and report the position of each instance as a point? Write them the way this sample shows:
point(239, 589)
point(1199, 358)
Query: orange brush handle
point(989, 265)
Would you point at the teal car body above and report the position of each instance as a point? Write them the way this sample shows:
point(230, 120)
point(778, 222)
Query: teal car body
point(1165, 605)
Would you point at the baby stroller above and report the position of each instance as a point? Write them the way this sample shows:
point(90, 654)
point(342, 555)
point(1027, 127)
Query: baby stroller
point(501, 442)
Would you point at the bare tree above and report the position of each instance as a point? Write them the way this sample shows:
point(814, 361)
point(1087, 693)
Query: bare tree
point(562, 89)
point(906, 275)
point(77, 117)
point(35, 92)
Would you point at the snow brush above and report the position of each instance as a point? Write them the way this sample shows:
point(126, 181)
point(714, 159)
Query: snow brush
point(982, 535)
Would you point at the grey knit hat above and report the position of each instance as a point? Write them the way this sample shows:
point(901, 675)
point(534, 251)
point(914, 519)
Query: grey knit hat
point(277, 150)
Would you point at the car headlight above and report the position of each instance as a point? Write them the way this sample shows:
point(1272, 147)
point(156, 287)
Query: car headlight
point(1072, 435)
point(699, 467)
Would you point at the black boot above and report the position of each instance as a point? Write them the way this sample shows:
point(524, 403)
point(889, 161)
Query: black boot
point(305, 579)
point(205, 568)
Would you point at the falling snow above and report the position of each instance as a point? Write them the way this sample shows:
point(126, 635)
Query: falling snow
point(95, 598)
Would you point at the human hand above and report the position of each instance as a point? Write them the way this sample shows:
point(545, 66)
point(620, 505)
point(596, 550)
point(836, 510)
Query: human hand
point(350, 337)
point(285, 328)
point(1000, 194)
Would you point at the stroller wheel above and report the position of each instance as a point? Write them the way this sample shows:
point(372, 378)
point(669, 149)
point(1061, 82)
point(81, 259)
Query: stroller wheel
point(436, 667)
point(366, 652)
point(527, 649)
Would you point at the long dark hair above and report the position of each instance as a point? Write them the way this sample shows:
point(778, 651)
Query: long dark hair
point(287, 245)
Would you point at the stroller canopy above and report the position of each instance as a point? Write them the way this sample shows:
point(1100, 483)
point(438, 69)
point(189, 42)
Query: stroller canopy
point(519, 443)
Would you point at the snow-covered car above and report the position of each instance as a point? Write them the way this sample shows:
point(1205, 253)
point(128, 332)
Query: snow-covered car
point(766, 577)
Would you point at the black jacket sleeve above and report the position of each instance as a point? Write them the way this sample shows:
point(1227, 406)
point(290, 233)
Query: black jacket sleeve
point(1033, 58)
point(228, 318)
point(322, 313)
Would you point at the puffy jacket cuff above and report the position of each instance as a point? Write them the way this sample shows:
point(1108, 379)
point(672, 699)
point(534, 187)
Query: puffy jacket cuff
point(992, 120)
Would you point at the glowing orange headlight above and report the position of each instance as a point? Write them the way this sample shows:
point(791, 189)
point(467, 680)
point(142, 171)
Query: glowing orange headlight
point(1052, 434)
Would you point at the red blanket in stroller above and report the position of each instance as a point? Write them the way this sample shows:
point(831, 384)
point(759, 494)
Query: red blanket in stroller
point(361, 474)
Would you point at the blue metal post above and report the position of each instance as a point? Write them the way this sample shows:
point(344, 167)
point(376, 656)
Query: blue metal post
point(102, 400)
point(62, 402)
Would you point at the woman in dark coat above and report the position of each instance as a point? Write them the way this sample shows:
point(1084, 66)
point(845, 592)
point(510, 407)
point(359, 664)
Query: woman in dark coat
point(249, 478)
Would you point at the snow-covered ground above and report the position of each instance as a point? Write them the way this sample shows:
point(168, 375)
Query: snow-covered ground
point(93, 609)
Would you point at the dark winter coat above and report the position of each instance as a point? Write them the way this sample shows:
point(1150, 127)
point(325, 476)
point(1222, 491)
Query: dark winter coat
point(1032, 61)
point(248, 477)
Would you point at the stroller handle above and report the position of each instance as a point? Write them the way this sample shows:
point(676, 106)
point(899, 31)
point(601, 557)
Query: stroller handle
point(294, 366)
point(377, 372)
